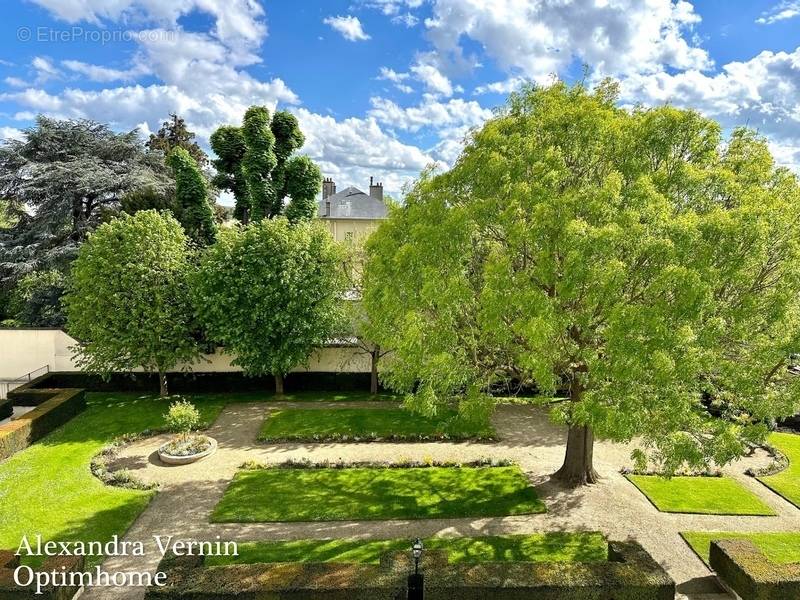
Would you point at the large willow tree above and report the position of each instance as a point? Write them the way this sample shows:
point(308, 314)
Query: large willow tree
point(632, 260)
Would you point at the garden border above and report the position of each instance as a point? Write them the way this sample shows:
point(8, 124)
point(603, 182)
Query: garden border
point(630, 572)
point(742, 567)
point(54, 407)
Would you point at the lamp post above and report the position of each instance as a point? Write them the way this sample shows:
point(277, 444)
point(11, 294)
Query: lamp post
point(416, 581)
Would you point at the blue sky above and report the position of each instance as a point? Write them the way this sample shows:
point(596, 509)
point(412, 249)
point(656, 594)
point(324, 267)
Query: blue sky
point(385, 87)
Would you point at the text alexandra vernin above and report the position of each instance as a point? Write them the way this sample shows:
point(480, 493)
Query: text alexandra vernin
point(26, 576)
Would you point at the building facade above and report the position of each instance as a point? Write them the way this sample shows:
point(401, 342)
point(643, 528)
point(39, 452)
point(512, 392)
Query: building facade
point(351, 214)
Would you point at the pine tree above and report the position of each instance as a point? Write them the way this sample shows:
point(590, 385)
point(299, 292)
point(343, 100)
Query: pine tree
point(174, 134)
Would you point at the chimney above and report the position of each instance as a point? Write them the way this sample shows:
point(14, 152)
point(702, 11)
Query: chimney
point(376, 190)
point(328, 187)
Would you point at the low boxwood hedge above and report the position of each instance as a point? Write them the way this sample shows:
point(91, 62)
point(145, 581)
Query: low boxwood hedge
point(203, 382)
point(59, 407)
point(6, 408)
point(9, 590)
point(745, 569)
point(629, 574)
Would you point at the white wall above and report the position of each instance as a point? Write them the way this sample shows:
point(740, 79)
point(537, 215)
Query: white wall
point(26, 350)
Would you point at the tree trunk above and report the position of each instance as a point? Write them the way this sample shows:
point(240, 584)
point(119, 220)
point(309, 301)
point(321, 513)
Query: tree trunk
point(162, 383)
point(279, 385)
point(373, 383)
point(578, 467)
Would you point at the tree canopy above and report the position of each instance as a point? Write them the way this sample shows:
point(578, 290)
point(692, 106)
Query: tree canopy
point(632, 260)
point(255, 163)
point(175, 134)
point(128, 302)
point(269, 293)
point(191, 195)
point(60, 180)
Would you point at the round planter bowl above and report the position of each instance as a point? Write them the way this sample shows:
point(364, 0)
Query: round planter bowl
point(169, 459)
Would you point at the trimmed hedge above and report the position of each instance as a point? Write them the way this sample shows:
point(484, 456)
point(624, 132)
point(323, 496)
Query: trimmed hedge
point(198, 382)
point(629, 574)
point(745, 569)
point(6, 408)
point(54, 407)
point(11, 591)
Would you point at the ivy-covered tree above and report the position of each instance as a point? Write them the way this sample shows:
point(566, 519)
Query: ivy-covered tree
point(255, 162)
point(258, 163)
point(229, 146)
point(631, 260)
point(191, 195)
point(269, 293)
point(303, 180)
point(128, 303)
point(60, 181)
point(175, 134)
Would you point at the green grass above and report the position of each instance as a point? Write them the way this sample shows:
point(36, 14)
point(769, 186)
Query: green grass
point(285, 494)
point(366, 424)
point(781, 547)
point(540, 547)
point(700, 495)
point(787, 482)
point(48, 488)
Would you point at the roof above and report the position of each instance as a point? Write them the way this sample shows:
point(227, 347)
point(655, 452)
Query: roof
point(352, 203)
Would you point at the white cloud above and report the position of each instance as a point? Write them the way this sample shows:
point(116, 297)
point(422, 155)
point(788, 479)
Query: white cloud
point(504, 87)
point(102, 74)
point(539, 37)
point(433, 78)
point(10, 133)
point(15, 82)
point(391, 7)
point(429, 114)
point(789, 9)
point(354, 149)
point(237, 23)
point(396, 78)
point(763, 93)
point(127, 107)
point(407, 19)
point(349, 26)
point(392, 75)
point(45, 69)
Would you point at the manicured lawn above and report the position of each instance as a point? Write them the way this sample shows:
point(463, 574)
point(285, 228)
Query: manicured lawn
point(366, 424)
point(787, 482)
point(49, 489)
point(783, 547)
point(286, 494)
point(540, 547)
point(700, 495)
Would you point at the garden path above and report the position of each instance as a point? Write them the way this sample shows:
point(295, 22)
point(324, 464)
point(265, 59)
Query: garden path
point(613, 506)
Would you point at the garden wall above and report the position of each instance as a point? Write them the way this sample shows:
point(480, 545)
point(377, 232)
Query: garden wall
point(54, 407)
point(745, 569)
point(629, 574)
point(26, 350)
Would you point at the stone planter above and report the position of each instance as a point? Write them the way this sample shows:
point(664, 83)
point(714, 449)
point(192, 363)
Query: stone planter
point(171, 459)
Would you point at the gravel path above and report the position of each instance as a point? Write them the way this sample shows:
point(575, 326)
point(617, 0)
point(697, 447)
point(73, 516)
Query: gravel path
point(613, 506)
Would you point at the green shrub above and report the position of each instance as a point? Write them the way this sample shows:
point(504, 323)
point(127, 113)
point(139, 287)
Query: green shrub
point(182, 417)
point(745, 569)
point(18, 434)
